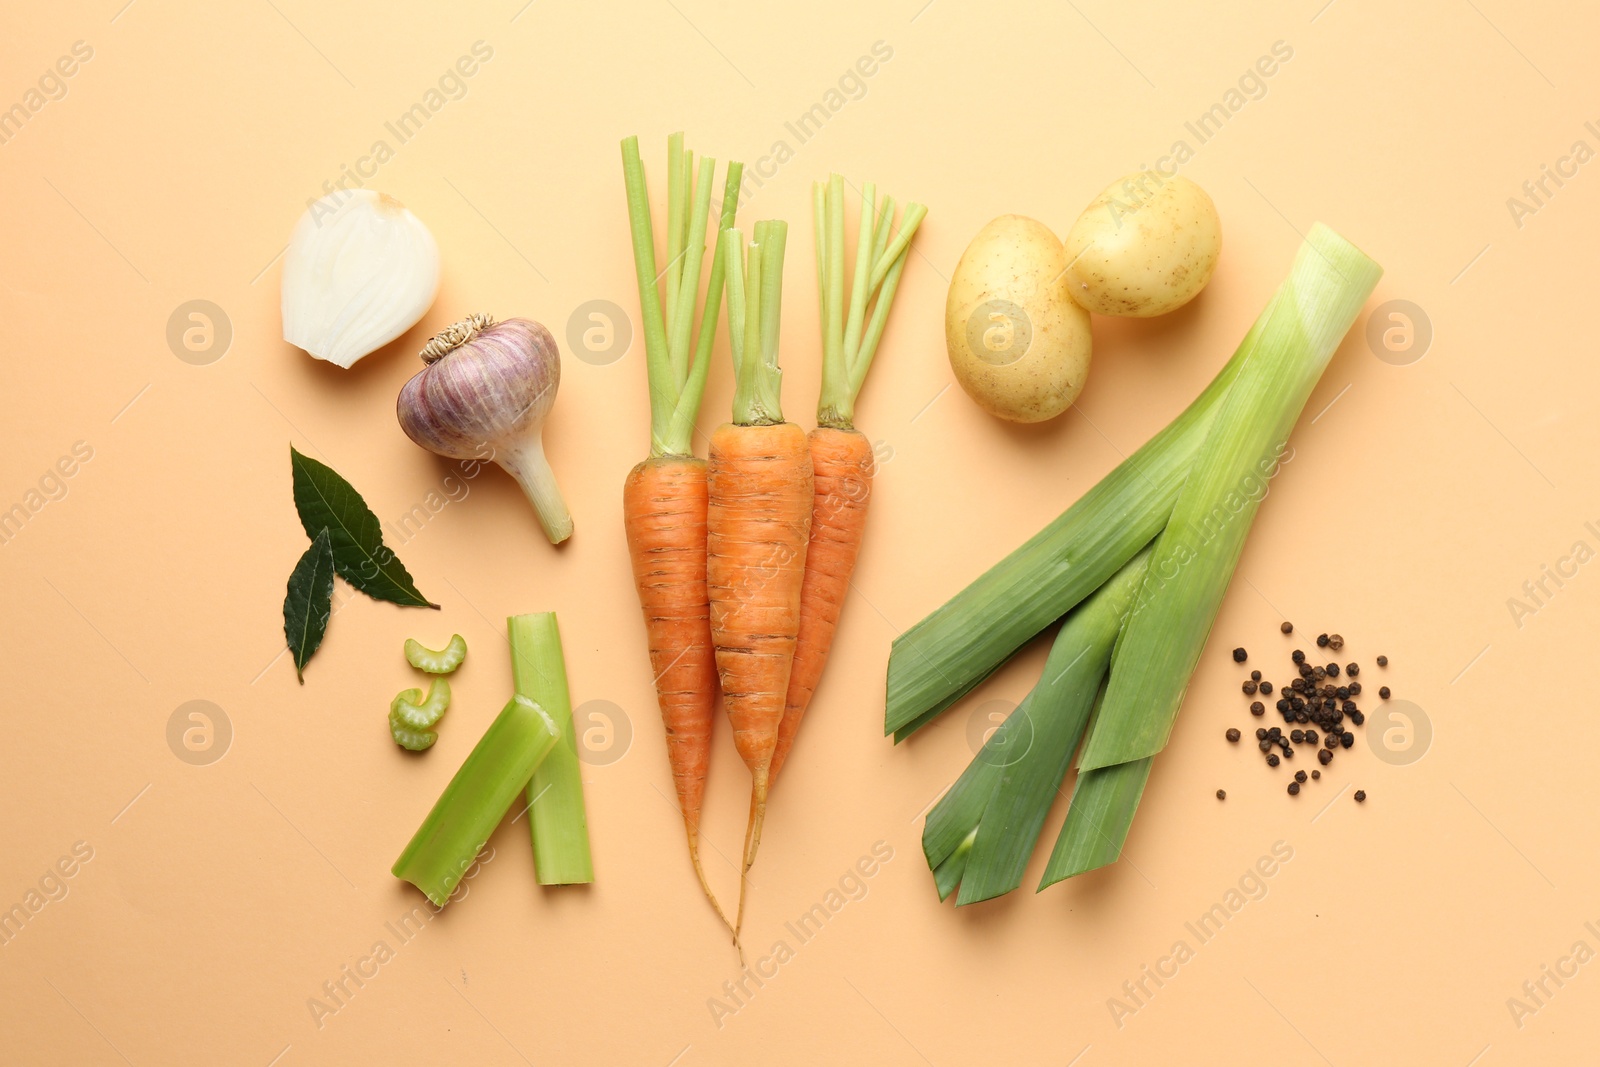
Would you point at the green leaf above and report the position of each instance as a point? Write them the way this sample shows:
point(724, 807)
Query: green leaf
point(327, 501)
point(310, 601)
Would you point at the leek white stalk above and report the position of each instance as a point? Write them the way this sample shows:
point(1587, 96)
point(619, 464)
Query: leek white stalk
point(360, 271)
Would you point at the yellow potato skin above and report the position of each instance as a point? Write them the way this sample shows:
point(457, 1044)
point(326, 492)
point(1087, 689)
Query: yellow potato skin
point(1145, 246)
point(1018, 343)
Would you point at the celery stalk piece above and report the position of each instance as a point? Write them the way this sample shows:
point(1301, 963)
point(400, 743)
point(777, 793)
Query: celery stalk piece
point(1056, 712)
point(477, 798)
point(941, 658)
point(1195, 557)
point(556, 815)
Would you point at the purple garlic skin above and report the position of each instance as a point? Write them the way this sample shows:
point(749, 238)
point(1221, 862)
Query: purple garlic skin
point(487, 398)
point(490, 389)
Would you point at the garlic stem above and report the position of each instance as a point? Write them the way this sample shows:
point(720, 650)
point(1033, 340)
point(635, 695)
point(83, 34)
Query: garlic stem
point(527, 464)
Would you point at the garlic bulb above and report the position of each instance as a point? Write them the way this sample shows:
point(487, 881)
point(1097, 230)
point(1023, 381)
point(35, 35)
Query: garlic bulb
point(360, 271)
point(484, 394)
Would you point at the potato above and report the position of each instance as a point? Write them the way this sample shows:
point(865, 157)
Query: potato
point(1145, 246)
point(1018, 342)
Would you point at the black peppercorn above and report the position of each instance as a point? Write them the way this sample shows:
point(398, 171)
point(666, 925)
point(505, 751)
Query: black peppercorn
point(1297, 736)
point(1272, 760)
point(1299, 776)
point(1319, 673)
point(1294, 788)
point(1257, 708)
point(1222, 794)
point(1316, 774)
point(1287, 627)
point(1352, 669)
point(1347, 739)
point(1333, 670)
point(1298, 656)
point(1264, 745)
point(1233, 734)
point(1324, 757)
point(1249, 689)
point(1358, 717)
point(1383, 691)
point(1361, 796)
point(1383, 661)
point(1240, 655)
point(1322, 640)
point(1355, 689)
point(1266, 687)
point(1261, 733)
point(1330, 741)
point(1301, 717)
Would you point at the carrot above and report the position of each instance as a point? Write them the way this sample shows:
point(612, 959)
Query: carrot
point(664, 513)
point(664, 497)
point(842, 465)
point(841, 456)
point(758, 522)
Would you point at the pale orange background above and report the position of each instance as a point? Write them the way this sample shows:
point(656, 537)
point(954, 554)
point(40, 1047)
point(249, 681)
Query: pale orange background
point(219, 898)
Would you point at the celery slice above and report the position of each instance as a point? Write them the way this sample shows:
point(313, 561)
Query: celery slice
point(1285, 355)
point(414, 713)
point(477, 798)
point(940, 659)
point(556, 816)
point(444, 661)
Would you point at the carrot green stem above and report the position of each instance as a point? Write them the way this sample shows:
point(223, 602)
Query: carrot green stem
point(681, 427)
point(676, 360)
point(851, 331)
point(679, 333)
point(677, 198)
point(556, 815)
point(755, 300)
point(476, 799)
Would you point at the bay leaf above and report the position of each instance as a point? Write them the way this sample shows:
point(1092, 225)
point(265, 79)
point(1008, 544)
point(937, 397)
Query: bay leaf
point(326, 501)
point(309, 601)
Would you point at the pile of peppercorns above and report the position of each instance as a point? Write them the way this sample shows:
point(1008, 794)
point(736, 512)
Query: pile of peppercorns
point(1317, 708)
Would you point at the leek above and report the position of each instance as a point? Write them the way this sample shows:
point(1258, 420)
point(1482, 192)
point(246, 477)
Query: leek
point(1001, 801)
point(940, 659)
point(556, 816)
point(477, 798)
point(1284, 357)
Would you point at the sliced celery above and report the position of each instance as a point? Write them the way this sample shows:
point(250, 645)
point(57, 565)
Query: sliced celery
point(556, 815)
point(477, 798)
point(941, 658)
point(1285, 355)
point(443, 661)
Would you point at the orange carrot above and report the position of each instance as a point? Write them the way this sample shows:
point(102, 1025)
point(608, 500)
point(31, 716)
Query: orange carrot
point(664, 512)
point(758, 525)
point(664, 498)
point(758, 521)
point(842, 465)
point(841, 457)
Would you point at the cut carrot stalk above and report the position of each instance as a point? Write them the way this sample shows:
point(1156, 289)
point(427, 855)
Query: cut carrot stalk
point(841, 456)
point(664, 497)
point(758, 521)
